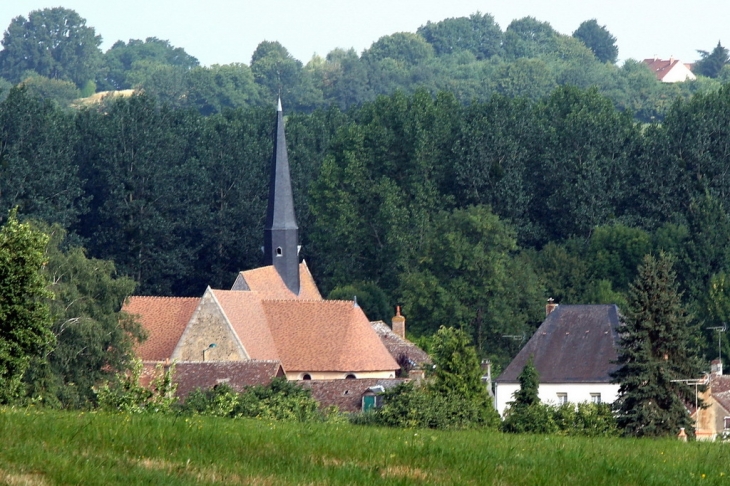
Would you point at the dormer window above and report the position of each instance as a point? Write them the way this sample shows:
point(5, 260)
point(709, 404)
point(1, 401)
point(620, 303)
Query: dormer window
point(278, 251)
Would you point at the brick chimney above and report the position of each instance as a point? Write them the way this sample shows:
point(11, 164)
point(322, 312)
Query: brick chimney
point(551, 306)
point(398, 323)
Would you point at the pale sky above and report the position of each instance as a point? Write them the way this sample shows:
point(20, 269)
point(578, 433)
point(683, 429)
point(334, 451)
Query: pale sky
point(226, 31)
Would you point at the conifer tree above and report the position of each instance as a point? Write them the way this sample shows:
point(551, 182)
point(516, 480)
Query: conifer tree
point(658, 345)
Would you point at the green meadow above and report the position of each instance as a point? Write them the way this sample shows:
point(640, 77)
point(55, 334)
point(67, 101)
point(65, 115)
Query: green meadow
point(45, 448)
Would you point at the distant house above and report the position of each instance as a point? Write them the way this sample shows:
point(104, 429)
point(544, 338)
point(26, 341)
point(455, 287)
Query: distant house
point(273, 321)
point(713, 420)
point(574, 351)
point(670, 70)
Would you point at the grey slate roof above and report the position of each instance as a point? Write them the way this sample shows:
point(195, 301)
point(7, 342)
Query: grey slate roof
point(575, 344)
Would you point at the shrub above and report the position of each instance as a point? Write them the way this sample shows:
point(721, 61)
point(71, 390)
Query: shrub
point(125, 394)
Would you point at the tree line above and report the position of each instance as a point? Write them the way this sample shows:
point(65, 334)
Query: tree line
point(466, 215)
point(57, 56)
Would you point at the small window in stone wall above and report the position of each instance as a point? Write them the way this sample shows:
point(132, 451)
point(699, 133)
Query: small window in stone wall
point(726, 425)
point(278, 251)
point(306, 376)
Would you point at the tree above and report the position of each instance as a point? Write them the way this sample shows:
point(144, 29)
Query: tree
point(598, 39)
point(657, 344)
point(369, 296)
point(55, 43)
point(25, 320)
point(478, 33)
point(528, 37)
point(711, 63)
point(94, 339)
point(526, 414)
point(403, 47)
point(123, 58)
point(470, 276)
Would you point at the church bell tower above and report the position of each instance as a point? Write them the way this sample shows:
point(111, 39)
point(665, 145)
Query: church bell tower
point(281, 234)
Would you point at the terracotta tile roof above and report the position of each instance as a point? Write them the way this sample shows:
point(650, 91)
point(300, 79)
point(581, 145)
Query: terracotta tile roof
point(398, 346)
point(267, 280)
point(325, 335)
point(164, 319)
point(344, 394)
point(246, 314)
point(575, 344)
point(236, 374)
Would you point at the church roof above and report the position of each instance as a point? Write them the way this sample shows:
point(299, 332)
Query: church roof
point(247, 317)
point(164, 319)
point(325, 335)
point(267, 279)
point(575, 344)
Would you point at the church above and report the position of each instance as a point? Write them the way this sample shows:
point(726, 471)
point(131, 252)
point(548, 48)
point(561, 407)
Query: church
point(273, 321)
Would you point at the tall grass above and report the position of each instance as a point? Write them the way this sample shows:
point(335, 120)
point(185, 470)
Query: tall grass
point(97, 448)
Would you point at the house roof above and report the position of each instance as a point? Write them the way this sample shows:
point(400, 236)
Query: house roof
point(164, 319)
point(575, 344)
point(236, 374)
point(720, 388)
point(325, 335)
point(398, 346)
point(344, 394)
point(662, 67)
point(267, 280)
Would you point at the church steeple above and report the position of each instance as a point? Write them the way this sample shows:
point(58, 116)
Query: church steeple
point(281, 232)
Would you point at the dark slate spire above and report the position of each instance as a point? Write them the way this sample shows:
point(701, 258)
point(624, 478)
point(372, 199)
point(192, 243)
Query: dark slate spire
point(281, 233)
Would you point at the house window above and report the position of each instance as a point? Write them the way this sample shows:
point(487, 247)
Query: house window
point(726, 425)
point(596, 398)
point(562, 398)
point(350, 377)
point(307, 376)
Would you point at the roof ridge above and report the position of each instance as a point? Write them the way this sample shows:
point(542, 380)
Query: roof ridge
point(160, 297)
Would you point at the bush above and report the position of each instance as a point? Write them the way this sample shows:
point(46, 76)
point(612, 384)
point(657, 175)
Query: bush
point(125, 394)
point(280, 400)
point(583, 419)
point(536, 418)
point(407, 406)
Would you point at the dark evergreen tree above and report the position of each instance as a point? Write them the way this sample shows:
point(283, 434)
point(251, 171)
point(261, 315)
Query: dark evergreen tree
point(711, 63)
point(658, 345)
point(598, 39)
point(526, 414)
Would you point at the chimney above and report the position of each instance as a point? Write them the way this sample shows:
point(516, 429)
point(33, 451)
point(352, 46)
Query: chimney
point(487, 375)
point(551, 306)
point(716, 367)
point(417, 375)
point(398, 323)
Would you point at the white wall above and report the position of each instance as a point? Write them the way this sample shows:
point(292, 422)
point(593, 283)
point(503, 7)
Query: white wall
point(678, 74)
point(548, 393)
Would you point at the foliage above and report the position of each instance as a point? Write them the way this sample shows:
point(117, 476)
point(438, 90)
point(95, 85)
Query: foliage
point(585, 419)
point(94, 340)
point(526, 414)
point(598, 39)
point(53, 42)
point(279, 400)
point(122, 59)
point(25, 320)
point(711, 63)
point(370, 297)
point(658, 344)
point(126, 394)
point(56, 90)
point(478, 34)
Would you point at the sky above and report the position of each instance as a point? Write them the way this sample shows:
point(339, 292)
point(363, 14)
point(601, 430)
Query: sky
point(228, 31)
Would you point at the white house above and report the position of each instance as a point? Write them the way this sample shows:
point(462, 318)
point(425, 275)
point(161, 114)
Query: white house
point(574, 351)
point(670, 70)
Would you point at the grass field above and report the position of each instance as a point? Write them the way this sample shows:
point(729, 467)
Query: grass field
point(39, 448)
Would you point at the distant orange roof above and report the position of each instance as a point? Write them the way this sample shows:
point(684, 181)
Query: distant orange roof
point(164, 319)
point(662, 67)
point(268, 281)
point(325, 335)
